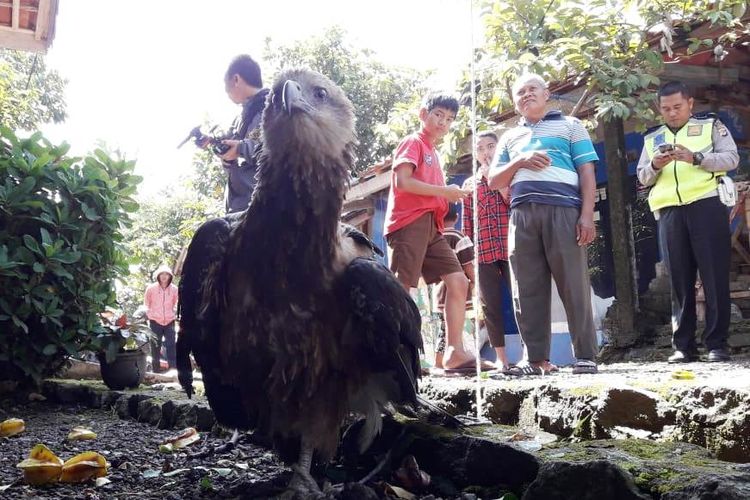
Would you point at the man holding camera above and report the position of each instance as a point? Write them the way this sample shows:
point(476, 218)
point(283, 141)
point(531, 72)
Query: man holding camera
point(244, 85)
point(683, 161)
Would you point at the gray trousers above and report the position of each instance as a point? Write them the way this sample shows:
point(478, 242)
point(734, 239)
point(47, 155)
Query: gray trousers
point(542, 244)
point(491, 279)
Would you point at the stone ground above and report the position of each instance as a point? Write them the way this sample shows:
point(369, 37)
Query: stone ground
point(650, 434)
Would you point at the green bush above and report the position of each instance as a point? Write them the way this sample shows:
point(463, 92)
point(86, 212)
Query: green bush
point(61, 223)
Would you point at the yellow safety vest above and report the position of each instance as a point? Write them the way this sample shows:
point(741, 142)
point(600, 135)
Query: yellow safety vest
point(680, 182)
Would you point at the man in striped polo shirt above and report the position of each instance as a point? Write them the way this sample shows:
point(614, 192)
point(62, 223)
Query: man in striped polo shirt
point(548, 161)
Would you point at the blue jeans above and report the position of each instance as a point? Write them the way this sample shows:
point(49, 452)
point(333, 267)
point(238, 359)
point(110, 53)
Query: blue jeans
point(166, 331)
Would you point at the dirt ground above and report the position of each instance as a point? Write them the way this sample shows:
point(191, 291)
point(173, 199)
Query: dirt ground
point(138, 469)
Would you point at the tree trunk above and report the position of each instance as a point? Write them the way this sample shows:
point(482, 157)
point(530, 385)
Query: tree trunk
point(622, 317)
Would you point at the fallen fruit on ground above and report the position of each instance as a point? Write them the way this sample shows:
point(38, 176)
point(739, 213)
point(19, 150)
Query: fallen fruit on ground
point(81, 434)
point(83, 467)
point(42, 466)
point(186, 438)
point(11, 427)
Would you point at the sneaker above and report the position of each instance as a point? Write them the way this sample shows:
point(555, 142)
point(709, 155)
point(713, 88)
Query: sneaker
point(718, 355)
point(683, 357)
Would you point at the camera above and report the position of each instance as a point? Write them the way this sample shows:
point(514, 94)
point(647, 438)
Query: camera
point(204, 141)
point(666, 147)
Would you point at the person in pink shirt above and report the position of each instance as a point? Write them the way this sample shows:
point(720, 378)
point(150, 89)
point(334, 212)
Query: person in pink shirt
point(417, 204)
point(160, 300)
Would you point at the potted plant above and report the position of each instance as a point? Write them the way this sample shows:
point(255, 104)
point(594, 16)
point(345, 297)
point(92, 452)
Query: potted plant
point(122, 350)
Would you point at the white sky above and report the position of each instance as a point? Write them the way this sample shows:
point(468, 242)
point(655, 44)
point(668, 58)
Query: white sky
point(141, 74)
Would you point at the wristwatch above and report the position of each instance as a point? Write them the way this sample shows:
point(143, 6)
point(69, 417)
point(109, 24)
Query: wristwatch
point(697, 158)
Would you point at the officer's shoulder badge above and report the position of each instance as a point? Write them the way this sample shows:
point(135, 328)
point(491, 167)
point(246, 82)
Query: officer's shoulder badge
point(721, 128)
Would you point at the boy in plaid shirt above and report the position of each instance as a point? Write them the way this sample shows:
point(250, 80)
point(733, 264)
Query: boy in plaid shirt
point(491, 243)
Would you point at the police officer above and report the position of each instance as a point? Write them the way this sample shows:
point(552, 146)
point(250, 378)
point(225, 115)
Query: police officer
point(244, 85)
point(682, 160)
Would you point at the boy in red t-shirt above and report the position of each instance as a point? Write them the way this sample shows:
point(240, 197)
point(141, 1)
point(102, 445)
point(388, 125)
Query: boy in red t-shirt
point(417, 204)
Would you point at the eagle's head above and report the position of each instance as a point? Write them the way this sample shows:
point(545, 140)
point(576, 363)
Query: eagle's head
point(308, 116)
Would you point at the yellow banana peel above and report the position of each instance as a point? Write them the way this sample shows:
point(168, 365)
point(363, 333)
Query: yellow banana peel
point(81, 434)
point(42, 466)
point(11, 427)
point(683, 375)
point(83, 467)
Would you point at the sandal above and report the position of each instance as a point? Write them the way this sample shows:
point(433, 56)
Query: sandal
point(585, 366)
point(524, 369)
point(470, 367)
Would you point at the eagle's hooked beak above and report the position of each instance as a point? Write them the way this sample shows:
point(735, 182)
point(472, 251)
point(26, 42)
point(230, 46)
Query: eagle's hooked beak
point(291, 97)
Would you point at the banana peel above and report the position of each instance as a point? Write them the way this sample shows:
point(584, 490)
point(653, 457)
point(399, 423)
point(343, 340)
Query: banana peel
point(186, 438)
point(81, 434)
point(683, 375)
point(83, 467)
point(42, 466)
point(11, 427)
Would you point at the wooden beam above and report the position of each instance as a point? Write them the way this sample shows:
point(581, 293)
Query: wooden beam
point(360, 219)
point(16, 14)
point(362, 204)
point(370, 186)
point(42, 20)
point(21, 40)
point(700, 74)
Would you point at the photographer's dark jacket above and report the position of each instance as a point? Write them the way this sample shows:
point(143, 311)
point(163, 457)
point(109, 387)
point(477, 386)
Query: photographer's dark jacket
point(241, 172)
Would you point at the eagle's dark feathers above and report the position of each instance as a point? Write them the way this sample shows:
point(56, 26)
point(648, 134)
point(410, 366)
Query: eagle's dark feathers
point(292, 321)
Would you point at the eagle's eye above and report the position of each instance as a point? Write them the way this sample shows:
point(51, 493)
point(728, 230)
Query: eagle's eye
point(320, 93)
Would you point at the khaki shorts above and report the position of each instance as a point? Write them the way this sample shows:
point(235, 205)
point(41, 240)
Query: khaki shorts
point(419, 250)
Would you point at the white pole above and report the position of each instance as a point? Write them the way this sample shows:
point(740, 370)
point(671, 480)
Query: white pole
point(475, 214)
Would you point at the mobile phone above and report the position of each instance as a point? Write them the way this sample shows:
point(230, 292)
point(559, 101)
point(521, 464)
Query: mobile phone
point(666, 147)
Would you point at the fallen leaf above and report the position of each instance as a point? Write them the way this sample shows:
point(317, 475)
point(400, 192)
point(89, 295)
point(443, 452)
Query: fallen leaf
point(222, 471)
point(174, 472)
point(83, 467)
point(151, 473)
point(42, 466)
point(186, 438)
point(11, 427)
point(101, 481)
point(242, 466)
point(81, 434)
point(5, 487)
point(35, 396)
point(400, 492)
point(206, 484)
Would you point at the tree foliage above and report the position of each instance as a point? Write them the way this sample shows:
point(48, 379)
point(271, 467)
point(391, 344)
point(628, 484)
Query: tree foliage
point(373, 87)
point(613, 48)
point(61, 223)
point(30, 95)
point(162, 227)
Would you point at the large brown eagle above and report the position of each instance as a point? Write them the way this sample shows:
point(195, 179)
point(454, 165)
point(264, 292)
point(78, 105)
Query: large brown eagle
point(293, 323)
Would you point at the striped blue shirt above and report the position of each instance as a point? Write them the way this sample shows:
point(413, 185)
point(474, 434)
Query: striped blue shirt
point(568, 145)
